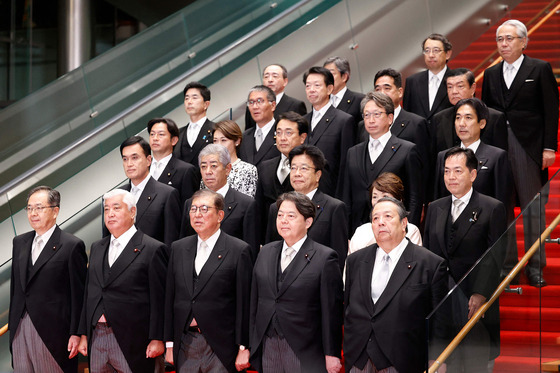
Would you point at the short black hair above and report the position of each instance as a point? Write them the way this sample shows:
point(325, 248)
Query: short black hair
point(327, 75)
point(313, 152)
point(292, 116)
point(53, 196)
point(397, 77)
point(460, 71)
point(137, 140)
point(303, 204)
point(171, 126)
point(471, 161)
point(478, 106)
point(204, 91)
point(447, 46)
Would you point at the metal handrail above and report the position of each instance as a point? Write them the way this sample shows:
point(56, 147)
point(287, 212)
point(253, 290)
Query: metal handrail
point(505, 283)
point(532, 30)
point(3, 330)
point(139, 104)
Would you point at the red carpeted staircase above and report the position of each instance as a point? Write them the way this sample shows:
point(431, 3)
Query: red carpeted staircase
point(530, 322)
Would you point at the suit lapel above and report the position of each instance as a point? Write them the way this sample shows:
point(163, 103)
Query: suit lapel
point(188, 262)
point(320, 201)
point(440, 94)
point(146, 198)
point(524, 70)
point(442, 214)
point(97, 257)
point(389, 150)
point(300, 261)
point(465, 221)
point(51, 247)
point(403, 269)
point(345, 102)
point(215, 260)
point(366, 272)
point(168, 172)
point(481, 156)
point(23, 257)
point(128, 255)
point(230, 204)
point(204, 137)
point(269, 142)
point(249, 144)
point(322, 126)
point(399, 124)
point(424, 93)
point(273, 267)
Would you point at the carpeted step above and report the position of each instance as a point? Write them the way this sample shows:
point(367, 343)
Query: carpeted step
point(527, 319)
point(548, 297)
point(514, 364)
point(529, 344)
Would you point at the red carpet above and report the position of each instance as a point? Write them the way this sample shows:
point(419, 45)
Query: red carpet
point(523, 347)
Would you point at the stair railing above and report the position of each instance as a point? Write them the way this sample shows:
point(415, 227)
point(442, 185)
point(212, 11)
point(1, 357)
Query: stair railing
point(505, 283)
point(531, 31)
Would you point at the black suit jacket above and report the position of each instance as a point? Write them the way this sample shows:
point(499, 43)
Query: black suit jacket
point(350, 104)
point(218, 298)
point(185, 152)
point(493, 177)
point(478, 227)
point(330, 226)
point(268, 150)
point(308, 305)
point(158, 212)
point(494, 133)
point(51, 292)
point(287, 103)
point(399, 157)
point(334, 135)
point(182, 176)
point(132, 296)
point(416, 97)
point(530, 105)
point(240, 219)
point(397, 321)
point(268, 190)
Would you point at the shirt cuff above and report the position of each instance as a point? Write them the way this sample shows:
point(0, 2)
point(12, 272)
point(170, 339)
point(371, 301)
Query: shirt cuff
point(168, 344)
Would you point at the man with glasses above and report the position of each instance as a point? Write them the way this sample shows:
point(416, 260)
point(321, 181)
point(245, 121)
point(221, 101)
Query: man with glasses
point(274, 174)
point(47, 289)
point(275, 77)
point(258, 142)
point(525, 89)
point(207, 294)
point(296, 297)
point(199, 132)
point(425, 93)
point(330, 226)
point(383, 152)
point(240, 210)
point(331, 130)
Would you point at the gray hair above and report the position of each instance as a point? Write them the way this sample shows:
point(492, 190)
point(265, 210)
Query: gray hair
point(342, 64)
point(270, 95)
point(519, 26)
point(127, 198)
point(380, 99)
point(220, 150)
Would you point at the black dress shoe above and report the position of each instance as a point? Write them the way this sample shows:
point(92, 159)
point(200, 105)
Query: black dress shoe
point(537, 281)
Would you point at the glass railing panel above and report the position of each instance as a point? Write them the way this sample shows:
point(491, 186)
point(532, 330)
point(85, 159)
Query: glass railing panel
point(5, 356)
point(519, 332)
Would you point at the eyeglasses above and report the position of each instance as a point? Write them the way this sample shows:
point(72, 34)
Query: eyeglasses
point(508, 38)
point(203, 209)
point(375, 114)
point(303, 168)
point(432, 51)
point(38, 209)
point(258, 101)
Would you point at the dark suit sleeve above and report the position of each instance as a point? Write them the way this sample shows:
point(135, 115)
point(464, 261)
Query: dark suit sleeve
point(301, 109)
point(83, 324)
point(549, 93)
point(503, 181)
point(500, 135)
point(346, 142)
point(407, 96)
point(186, 229)
point(190, 183)
point(250, 229)
point(339, 233)
point(157, 272)
point(77, 268)
point(414, 189)
point(172, 217)
point(440, 323)
point(243, 296)
point(169, 320)
point(331, 306)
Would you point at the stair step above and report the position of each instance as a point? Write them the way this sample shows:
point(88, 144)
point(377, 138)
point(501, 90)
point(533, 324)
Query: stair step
point(527, 319)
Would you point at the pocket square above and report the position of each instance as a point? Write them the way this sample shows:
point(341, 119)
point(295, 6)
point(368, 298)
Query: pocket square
point(529, 80)
point(484, 168)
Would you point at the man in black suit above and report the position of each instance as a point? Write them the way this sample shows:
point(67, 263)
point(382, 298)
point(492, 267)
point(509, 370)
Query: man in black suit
point(240, 211)
point(259, 142)
point(383, 152)
point(275, 77)
point(461, 85)
point(331, 130)
point(274, 174)
point(122, 317)
point(158, 206)
point(199, 131)
point(525, 89)
point(341, 97)
point(296, 297)
point(330, 225)
point(461, 228)
point(391, 287)
point(425, 93)
point(46, 290)
point(165, 167)
point(207, 294)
